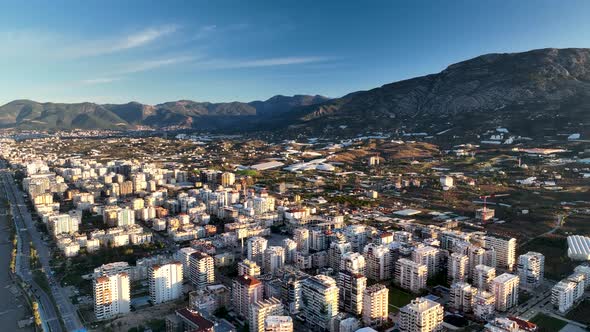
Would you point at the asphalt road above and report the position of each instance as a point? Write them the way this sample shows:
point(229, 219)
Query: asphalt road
point(12, 308)
point(30, 234)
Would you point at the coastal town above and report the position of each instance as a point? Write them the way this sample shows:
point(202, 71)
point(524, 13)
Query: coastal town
point(187, 232)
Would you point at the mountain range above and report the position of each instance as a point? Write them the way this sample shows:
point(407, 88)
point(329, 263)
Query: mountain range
point(535, 92)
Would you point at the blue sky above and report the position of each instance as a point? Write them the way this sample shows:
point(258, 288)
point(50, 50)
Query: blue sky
point(119, 51)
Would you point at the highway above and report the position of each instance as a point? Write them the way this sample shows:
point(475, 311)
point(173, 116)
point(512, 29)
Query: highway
point(30, 234)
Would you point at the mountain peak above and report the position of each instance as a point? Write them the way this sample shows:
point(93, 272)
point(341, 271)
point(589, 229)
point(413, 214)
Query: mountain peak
point(530, 90)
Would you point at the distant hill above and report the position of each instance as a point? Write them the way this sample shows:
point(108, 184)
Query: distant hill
point(28, 114)
point(535, 93)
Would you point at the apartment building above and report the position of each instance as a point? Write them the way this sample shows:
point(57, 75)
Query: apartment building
point(531, 267)
point(483, 277)
point(458, 267)
point(375, 305)
point(411, 275)
point(421, 315)
point(378, 262)
point(111, 295)
point(165, 282)
point(246, 290)
point(261, 309)
point(320, 301)
point(248, 267)
point(278, 324)
point(462, 296)
point(201, 270)
point(352, 287)
point(505, 289)
point(429, 256)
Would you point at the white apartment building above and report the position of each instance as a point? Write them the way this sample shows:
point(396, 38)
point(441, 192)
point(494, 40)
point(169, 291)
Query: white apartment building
point(562, 295)
point(248, 267)
point(375, 305)
point(505, 249)
point(111, 295)
point(584, 269)
point(318, 240)
point(531, 267)
point(579, 279)
point(112, 269)
point(483, 277)
point(476, 257)
point(246, 291)
point(462, 296)
point(261, 310)
point(337, 249)
point(353, 262)
point(378, 262)
point(274, 259)
point(201, 270)
point(505, 289)
point(62, 224)
point(256, 247)
point(165, 282)
point(357, 236)
point(183, 256)
point(411, 275)
point(502, 324)
point(350, 324)
point(320, 301)
point(421, 315)
point(429, 256)
point(125, 217)
point(484, 305)
point(352, 287)
point(290, 248)
point(278, 324)
point(458, 267)
point(301, 237)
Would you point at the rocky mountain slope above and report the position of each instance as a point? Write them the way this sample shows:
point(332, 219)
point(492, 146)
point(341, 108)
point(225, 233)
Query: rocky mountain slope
point(535, 92)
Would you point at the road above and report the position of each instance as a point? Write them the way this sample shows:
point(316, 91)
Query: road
point(536, 304)
point(30, 234)
point(47, 310)
point(12, 306)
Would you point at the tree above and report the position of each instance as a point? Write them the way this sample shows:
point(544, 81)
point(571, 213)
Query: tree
point(36, 313)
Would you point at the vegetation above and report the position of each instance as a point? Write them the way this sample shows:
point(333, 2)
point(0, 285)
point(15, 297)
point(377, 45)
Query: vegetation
point(33, 257)
point(399, 297)
point(547, 323)
point(71, 269)
point(41, 280)
point(36, 314)
point(247, 172)
point(440, 278)
point(351, 201)
point(221, 313)
point(554, 248)
point(157, 325)
point(13, 256)
point(580, 313)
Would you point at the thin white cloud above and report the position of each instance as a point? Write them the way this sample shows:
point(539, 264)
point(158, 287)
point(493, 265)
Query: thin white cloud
point(154, 64)
point(100, 80)
point(109, 46)
point(257, 63)
point(205, 31)
point(136, 67)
